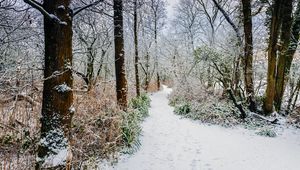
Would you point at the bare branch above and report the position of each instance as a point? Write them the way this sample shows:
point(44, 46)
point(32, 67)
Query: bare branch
point(39, 7)
point(235, 28)
point(85, 7)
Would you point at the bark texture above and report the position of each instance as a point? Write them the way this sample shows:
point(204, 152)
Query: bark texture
point(289, 41)
point(121, 81)
point(57, 108)
point(136, 58)
point(248, 53)
point(272, 56)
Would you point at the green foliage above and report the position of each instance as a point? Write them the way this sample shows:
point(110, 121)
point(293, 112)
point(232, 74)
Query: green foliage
point(131, 129)
point(206, 53)
point(267, 132)
point(183, 109)
point(131, 125)
point(141, 104)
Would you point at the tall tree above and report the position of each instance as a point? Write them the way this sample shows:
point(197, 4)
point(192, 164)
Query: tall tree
point(121, 81)
point(248, 53)
point(158, 11)
point(136, 58)
point(57, 110)
point(272, 56)
point(289, 40)
point(236, 78)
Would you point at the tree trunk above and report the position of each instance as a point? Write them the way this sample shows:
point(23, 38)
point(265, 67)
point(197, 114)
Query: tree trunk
point(272, 55)
point(289, 38)
point(147, 72)
point(90, 68)
point(136, 58)
point(121, 82)
point(156, 55)
point(57, 110)
point(248, 52)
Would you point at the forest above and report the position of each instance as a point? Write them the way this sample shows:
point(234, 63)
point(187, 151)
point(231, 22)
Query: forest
point(149, 84)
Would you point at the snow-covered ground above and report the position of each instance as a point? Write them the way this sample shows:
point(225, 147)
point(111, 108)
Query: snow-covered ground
point(172, 143)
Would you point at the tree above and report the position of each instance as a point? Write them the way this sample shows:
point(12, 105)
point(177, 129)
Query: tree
point(121, 81)
point(289, 40)
point(236, 78)
point(272, 56)
point(158, 10)
point(248, 53)
point(136, 58)
point(57, 110)
point(188, 20)
point(57, 104)
point(92, 41)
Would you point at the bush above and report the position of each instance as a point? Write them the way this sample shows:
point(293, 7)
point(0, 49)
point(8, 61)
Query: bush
point(267, 132)
point(141, 105)
point(183, 109)
point(131, 125)
point(131, 129)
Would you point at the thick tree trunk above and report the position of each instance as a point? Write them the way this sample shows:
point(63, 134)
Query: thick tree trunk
point(286, 56)
point(136, 58)
point(272, 56)
point(57, 110)
point(248, 52)
point(121, 82)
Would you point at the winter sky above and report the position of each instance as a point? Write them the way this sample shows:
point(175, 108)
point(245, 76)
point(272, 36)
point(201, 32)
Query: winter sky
point(170, 8)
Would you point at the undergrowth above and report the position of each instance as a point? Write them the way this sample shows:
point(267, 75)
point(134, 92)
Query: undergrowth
point(99, 129)
point(204, 107)
point(131, 124)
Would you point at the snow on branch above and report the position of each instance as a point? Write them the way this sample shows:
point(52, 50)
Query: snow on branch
point(85, 7)
point(39, 7)
point(235, 28)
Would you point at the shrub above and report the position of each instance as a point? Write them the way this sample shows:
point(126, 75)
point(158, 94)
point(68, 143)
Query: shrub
point(140, 104)
point(267, 132)
point(131, 130)
point(131, 125)
point(183, 109)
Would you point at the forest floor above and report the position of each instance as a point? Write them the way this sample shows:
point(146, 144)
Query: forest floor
point(169, 141)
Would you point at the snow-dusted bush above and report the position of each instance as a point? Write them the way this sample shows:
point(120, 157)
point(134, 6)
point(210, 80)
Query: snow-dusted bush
point(141, 104)
point(198, 103)
point(183, 109)
point(267, 132)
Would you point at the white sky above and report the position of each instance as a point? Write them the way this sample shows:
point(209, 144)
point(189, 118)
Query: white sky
point(170, 8)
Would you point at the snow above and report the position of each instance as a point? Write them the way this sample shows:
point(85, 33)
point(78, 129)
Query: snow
point(62, 88)
point(72, 109)
point(61, 7)
point(57, 159)
point(55, 18)
point(58, 146)
point(170, 142)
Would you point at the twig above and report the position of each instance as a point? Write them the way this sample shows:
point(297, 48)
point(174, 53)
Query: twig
point(85, 7)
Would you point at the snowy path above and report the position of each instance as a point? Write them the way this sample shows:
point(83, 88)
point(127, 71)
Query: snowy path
point(170, 143)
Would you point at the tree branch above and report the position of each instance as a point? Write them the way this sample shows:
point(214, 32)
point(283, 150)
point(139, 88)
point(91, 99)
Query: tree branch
point(235, 28)
point(85, 7)
point(39, 7)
